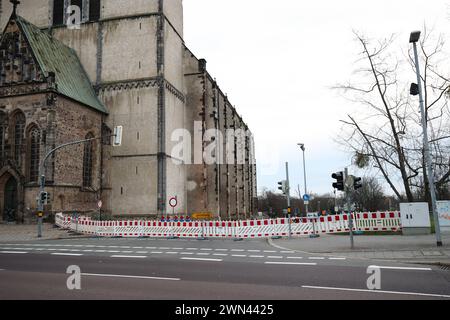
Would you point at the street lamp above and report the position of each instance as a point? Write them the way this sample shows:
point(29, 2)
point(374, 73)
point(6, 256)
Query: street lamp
point(117, 141)
point(302, 147)
point(414, 38)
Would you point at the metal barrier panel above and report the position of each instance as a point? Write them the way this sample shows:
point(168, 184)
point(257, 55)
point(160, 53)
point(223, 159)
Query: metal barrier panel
point(378, 221)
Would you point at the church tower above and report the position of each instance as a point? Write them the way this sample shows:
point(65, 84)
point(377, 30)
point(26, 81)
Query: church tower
point(133, 73)
point(133, 54)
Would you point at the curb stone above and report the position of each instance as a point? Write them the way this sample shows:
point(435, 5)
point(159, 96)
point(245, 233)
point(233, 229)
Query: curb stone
point(393, 259)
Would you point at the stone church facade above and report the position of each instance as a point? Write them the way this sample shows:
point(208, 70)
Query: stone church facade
point(126, 65)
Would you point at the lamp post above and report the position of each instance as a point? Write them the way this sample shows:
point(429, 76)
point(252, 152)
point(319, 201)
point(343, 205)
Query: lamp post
point(302, 147)
point(414, 38)
point(118, 139)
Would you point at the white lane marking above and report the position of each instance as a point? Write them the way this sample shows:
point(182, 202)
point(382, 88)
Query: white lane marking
point(141, 252)
point(129, 257)
point(238, 250)
point(239, 255)
point(402, 268)
point(291, 263)
point(192, 249)
point(205, 249)
point(13, 252)
point(202, 259)
point(379, 291)
point(138, 247)
point(156, 252)
point(254, 250)
point(274, 257)
point(337, 258)
point(111, 251)
point(316, 258)
point(256, 256)
point(186, 253)
point(203, 254)
point(129, 277)
point(171, 252)
point(67, 254)
point(221, 250)
point(269, 251)
point(177, 248)
point(298, 258)
point(150, 248)
point(160, 248)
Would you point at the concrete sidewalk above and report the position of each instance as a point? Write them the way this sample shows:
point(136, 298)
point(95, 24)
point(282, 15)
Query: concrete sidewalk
point(29, 233)
point(416, 249)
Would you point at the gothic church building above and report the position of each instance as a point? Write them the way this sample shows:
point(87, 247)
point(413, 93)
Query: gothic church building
point(126, 65)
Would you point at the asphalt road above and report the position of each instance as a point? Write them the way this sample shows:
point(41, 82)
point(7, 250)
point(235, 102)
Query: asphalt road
point(202, 270)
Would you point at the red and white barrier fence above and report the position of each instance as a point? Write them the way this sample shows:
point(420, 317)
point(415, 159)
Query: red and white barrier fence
point(375, 222)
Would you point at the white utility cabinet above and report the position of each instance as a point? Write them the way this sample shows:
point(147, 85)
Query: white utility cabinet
point(415, 218)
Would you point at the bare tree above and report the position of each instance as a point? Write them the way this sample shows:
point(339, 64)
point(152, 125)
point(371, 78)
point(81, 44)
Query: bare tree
point(371, 196)
point(387, 133)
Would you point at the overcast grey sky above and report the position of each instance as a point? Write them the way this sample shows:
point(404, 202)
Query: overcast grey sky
point(278, 59)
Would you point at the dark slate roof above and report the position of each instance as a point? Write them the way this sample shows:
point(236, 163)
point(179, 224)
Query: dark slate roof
point(53, 56)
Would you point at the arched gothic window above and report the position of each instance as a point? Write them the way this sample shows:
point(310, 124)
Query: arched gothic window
point(88, 161)
point(34, 138)
point(3, 128)
point(19, 132)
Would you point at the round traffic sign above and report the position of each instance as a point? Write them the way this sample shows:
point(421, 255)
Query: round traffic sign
point(173, 202)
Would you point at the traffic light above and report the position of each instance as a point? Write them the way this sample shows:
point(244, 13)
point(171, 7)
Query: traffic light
point(339, 185)
point(45, 198)
point(357, 184)
point(282, 186)
point(414, 91)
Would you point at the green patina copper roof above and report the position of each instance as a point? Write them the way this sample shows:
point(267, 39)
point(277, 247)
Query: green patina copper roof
point(53, 56)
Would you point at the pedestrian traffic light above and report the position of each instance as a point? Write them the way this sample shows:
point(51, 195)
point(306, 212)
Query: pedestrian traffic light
point(339, 184)
point(282, 186)
point(357, 183)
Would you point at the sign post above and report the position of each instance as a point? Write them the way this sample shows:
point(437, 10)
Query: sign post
point(349, 183)
point(100, 205)
point(173, 202)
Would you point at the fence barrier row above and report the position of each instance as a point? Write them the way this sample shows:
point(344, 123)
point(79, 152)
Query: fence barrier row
point(366, 222)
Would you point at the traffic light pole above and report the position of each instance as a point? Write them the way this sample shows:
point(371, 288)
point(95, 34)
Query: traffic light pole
point(348, 205)
point(288, 196)
point(42, 177)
